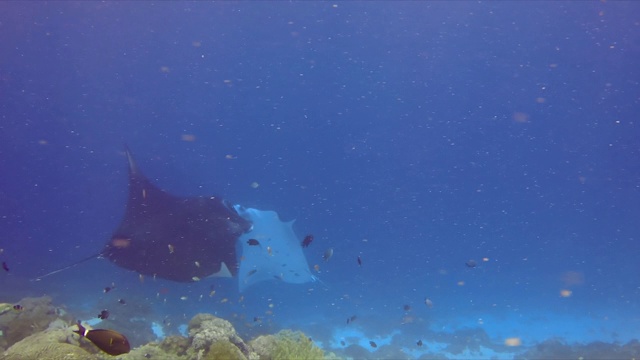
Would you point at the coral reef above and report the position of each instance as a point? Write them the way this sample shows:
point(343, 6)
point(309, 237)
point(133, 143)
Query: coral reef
point(50, 344)
point(224, 350)
point(206, 330)
point(559, 349)
point(286, 345)
point(36, 315)
point(41, 330)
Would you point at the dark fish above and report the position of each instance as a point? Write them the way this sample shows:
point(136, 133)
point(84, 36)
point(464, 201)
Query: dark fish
point(419, 343)
point(359, 260)
point(5, 266)
point(109, 341)
point(373, 344)
point(121, 301)
point(252, 272)
point(327, 254)
point(342, 343)
point(256, 319)
point(471, 263)
point(407, 307)
point(253, 242)
point(18, 307)
point(307, 240)
point(351, 319)
point(104, 314)
point(107, 289)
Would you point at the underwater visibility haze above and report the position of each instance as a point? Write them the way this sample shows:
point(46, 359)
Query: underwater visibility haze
point(394, 179)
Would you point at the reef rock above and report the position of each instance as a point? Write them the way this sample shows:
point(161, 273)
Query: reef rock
point(50, 345)
point(36, 315)
point(206, 330)
point(286, 344)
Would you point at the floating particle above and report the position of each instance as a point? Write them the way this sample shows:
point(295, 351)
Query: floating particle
point(428, 302)
point(514, 341)
point(188, 137)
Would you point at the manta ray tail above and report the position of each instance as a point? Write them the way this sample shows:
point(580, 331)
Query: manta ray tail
point(94, 256)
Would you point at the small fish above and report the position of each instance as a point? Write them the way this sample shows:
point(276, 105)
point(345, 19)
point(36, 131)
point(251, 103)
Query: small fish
point(224, 300)
point(5, 266)
point(121, 301)
point(419, 343)
point(428, 302)
point(351, 319)
point(359, 261)
point(471, 263)
point(316, 267)
point(307, 240)
point(195, 278)
point(141, 278)
point(327, 254)
point(171, 248)
point(407, 308)
point(183, 298)
point(373, 344)
point(252, 272)
point(211, 293)
point(107, 289)
point(269, 250)
point(104, 314)
point(342, 343)
point(197, 264)
point(18, 307)
point(253, 242)
point(256, 319)
point(109, 341)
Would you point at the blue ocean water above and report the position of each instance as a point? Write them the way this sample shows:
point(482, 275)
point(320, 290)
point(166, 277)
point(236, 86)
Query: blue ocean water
point(415, 135)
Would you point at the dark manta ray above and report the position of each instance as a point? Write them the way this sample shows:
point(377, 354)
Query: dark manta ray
point(175, 238)
point(189, 238)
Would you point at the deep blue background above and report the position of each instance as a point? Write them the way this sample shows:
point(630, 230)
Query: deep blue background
point(417, 135)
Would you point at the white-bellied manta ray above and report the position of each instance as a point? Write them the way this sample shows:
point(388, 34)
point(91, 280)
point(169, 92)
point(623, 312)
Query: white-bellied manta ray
point(187, 239)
